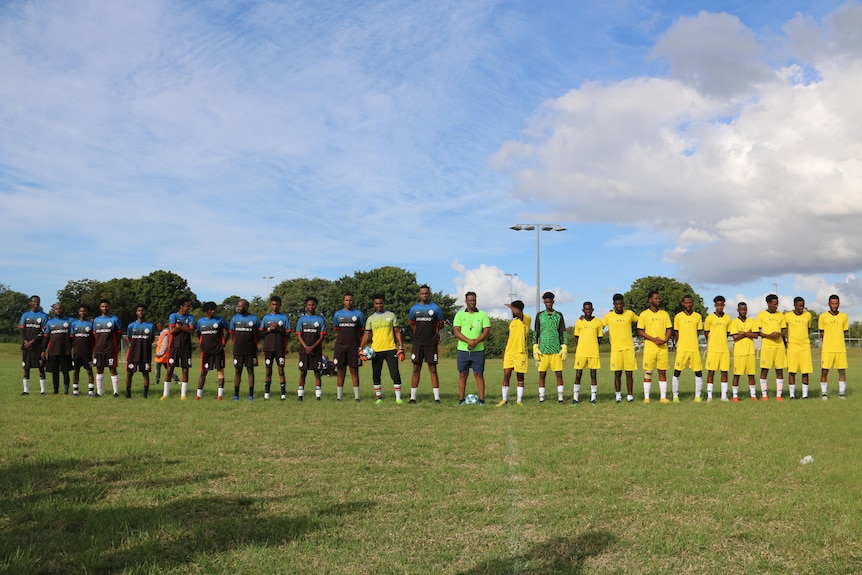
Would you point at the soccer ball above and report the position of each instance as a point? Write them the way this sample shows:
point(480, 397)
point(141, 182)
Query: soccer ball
point(367, 352)
point(471, 399)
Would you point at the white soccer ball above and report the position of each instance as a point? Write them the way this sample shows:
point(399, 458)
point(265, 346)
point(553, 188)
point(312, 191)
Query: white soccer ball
point(368, 352)
point(471, 399)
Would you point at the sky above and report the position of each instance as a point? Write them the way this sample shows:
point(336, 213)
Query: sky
point(242, 143)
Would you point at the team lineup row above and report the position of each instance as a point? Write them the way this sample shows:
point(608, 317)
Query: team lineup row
point(63, 346)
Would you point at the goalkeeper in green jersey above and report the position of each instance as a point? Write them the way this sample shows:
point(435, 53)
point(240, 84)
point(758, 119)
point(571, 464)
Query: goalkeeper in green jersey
point(550, 345)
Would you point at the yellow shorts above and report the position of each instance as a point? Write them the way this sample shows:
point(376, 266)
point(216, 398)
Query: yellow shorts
point(717, 361)
point(691, 358)
point(551, 362)
point(799, 361)
point(834, 360)
point(623, 360)
point(655, 357)
point(587, 362)
point(773, 357)
point(515, 361)
point(743, 364)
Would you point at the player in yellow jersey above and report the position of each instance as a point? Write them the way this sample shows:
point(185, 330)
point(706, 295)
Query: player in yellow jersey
point(798, 346)
point(833, 326)
point(515, 354)
point(743, 330)
point(772, 327)
point(619, 323)
point(655, 327)
point(687, 326)
point(588, 332)
point(715, 328)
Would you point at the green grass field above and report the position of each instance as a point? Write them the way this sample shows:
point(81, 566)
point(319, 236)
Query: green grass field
point(132, 486)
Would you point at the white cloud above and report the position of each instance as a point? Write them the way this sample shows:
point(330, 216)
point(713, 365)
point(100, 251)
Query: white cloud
point(748, 188)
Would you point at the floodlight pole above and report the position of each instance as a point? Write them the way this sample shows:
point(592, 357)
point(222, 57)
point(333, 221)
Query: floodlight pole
point(512, 293)
point(539, 229)
point(267, 278)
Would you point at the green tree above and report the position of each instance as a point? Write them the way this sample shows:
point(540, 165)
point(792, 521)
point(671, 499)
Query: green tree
point(159, 291)
point(671, 290)
point(294, 291)
point(80, 292)
point(12, 305)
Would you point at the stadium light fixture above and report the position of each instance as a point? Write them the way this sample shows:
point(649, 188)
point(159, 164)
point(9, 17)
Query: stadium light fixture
point(539, 229)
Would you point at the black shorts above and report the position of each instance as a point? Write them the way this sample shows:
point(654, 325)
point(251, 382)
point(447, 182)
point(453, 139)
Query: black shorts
point(425, 353)
point(273, 358)
point(105, 360)
point(346, 357)
point(310, 361)
point(57, 363)
point(212, 361)
point(245, 360)
point(139, 366)
point(85, 361)
point(32, 358)
point(180, 357)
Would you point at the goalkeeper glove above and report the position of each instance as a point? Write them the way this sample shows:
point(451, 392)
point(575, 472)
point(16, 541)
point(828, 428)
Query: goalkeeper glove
point(564, 352)
point(537, 355)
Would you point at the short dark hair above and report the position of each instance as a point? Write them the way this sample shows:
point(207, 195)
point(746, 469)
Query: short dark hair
point(85, 306)
point(688, 296)
point(143, 305)
point(741, 303)
point(548, 295)
point(210, 305)
point(798, 299)
point(651, 293)
point(276, 299)
point(311, 298)
point(182, 300)
point(104, 300)
point(425, 286)
point(771, 297)
point(350, 293)
point(835, 296)
point(470, 293)
point(619, 297)
point(378, 296)
point(718, 298)
point(587, 303)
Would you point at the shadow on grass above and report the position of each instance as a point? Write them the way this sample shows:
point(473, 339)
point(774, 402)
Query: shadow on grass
point(75, 516)
point(561, 556)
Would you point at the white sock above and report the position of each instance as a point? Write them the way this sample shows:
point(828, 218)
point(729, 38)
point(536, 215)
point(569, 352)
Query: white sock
point(318, 391)
point(115, 383)
point(42, 385)
point(752, 389)
point(698, 386)
point(339, 393)
point(763, 387)
point(823, 386)
point(221, 391)
point(724, 390)
point(541, 393)
point(413, 391)
point(647, 386)
point(709, 388)
point(804, 390)
point(200, 393)
point(26, 382)
point(356, 393)
point(184, 387)
point(505, 392)
point(736, 391)
point(674, 385)
point(167, 387)
point(594, 389)
point(100, 380)
point(560, 391)
point(576, 392)
point(792, 388)
point(436, 393)
point(842, 387)
point(300, 391)
point(779, 387)
point(519, 393)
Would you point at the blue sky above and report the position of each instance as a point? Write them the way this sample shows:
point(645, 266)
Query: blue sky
point(228, 141)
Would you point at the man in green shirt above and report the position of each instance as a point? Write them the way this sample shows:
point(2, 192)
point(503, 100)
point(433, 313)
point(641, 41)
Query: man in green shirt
point(550, 347)
point(471, 327)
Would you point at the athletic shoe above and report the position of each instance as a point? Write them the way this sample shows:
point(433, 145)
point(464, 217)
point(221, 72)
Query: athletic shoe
point(75, 395)
point(251, 398)
point(824, 397)
point(27, 393)
point(735, 400)
point(541, 400)
point(399, 401)
point(779, 398)
point(378, 401)
point(792, 397)
point(560, 400)
point(435, 401)
point(664, 401)
point(183, 398)
point(753, 398)
point(646, 401)
point(629, 399)
point(764, 398)
point(576, 401)
point(55, 394)
point(593, 401)
point(116, 395)
point(620, 400)
point(724, 399)
point(298, 398)
point(42, 393)
point(198, 398)
point(462, 402)
point(162, 398)
point(235, 398)
point(128, 396)
point(283, 397)
point(412, 401)
point(317, 397)
point(502, 403)
point(841, 396)
point(89, 394)
point(219, 398)
point(676, 399)
point(519, 403)
point(708, 399)
point(697, 399)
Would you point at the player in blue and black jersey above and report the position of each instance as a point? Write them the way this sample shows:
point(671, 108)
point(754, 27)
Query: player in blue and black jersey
point(349, 324)
point(426, 319)
point(181, 324)
point(275, 327)
point(244, 327)
point(213, 331)
point(310, 329)
point(141, 335)
point(82, 348)
point(107, 330)
point(32, 325)
point(58, 348)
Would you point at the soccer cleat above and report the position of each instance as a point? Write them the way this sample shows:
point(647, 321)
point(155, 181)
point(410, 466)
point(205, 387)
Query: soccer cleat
point(502, 403)
point(764, 398)
point(317, 398)
point(462, 402)
point(560, 400)
point(697, 399)
point(541, 400)
point(75, 394)
point(735, 400)
point(708, 399)
point(42, 393)
point(412, 402)
point(298, 398)
point(841, 396)
point(235, 398)
point(90, 394)
point(724, 399)
point(356, 400)
point(251, 398)
point(283, 397)
point(378, 401)
point(56, 394)
point(779, 398)
point(792, 397)
point(219, 398)
point(183, 398)
point(198, 398)
point(593, 401)
point(753, 398)
point(676, 399)
point(620, 400)
point(436, 401)
point(399, 401)
point(824, 397)
point(575, 401)
point(519, 403)
point(25, 393)
point(162, 398)
point(481, 402)
point(646, 401)
point(664, 401)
